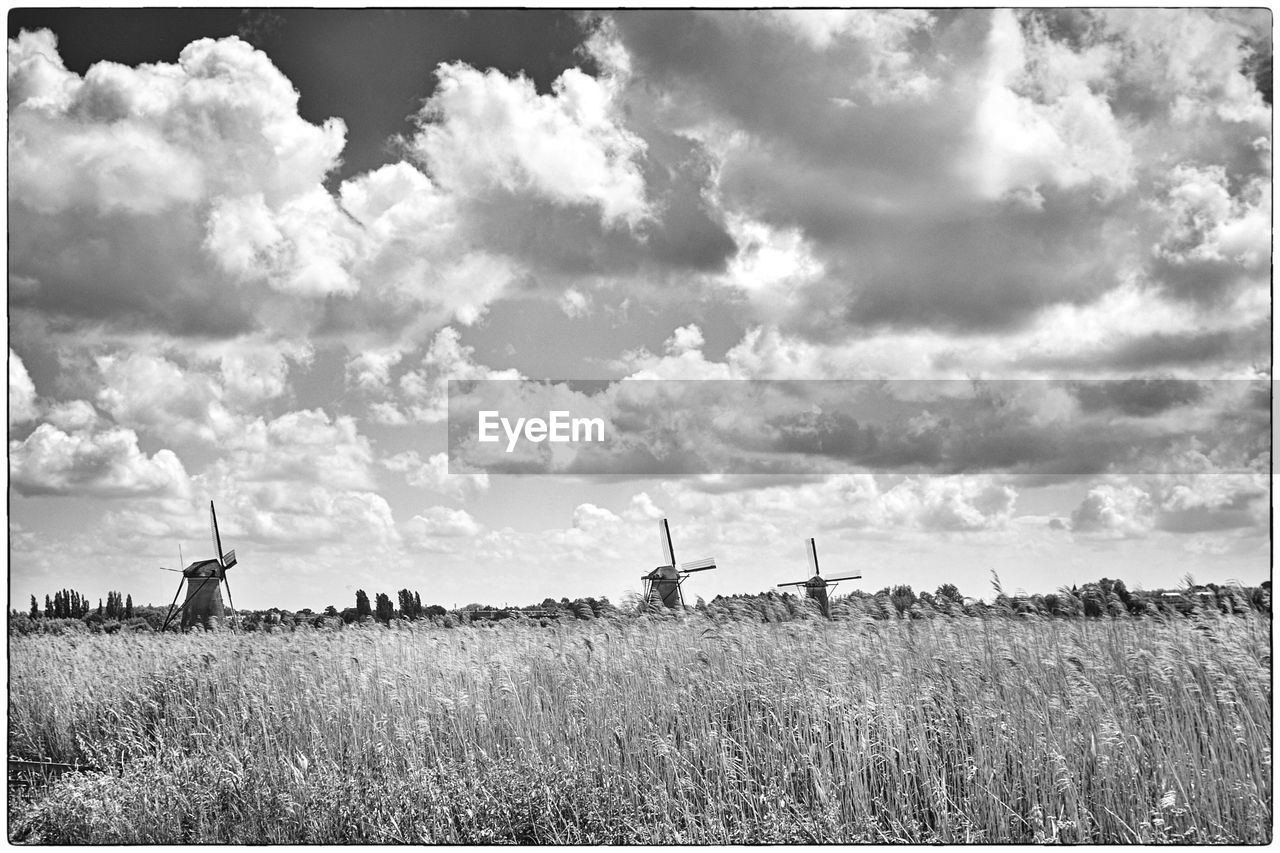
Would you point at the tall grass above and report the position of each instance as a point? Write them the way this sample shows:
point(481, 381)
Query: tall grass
point(640, 730)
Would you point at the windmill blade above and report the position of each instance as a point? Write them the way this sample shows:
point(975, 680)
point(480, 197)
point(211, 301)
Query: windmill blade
point(664, 533)
point(794, 583)
point(845, 578)
point(811, 550)
point(217, 540)
point(228, 560)
point(699, 565)
point(226, 584)
point(169, 615)
point(167, 569)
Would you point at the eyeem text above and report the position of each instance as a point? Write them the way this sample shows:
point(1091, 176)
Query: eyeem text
point(558, 427)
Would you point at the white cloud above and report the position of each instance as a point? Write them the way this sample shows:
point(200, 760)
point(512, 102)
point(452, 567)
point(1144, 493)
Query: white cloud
point(957, 504)
point(1114, 510)
point(105, 464)
point(304, 446)
point(440, 522)
point(1021, 143)
point(773, 265)
point(426, 389)
point(146, 139)
point(684, 359)
point(952, 503)
point(304, 247)
point(483, 132)
point(575, 303)
point(254, 372)
point(881, 37)
point(1212, 238)
point(72, 416)
point(433, 474)
point(589, 517)
point(151, 393)
point(190, 198)
point(22, 393)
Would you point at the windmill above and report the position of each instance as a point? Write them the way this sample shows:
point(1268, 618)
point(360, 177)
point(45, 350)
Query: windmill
point(816, 587)
point(204, 579)
point(663, 583)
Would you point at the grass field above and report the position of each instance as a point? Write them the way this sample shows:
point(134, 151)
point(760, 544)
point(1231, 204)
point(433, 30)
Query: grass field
point(640, 730)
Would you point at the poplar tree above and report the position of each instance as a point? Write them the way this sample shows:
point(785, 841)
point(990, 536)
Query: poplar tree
point(385, 610)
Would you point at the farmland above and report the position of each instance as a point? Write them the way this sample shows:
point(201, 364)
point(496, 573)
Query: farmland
point(648, 730)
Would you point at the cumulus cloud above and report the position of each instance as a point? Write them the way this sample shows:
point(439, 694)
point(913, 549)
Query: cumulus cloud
point(1213, 241)
point(115, 176)
point(73, 416)
point(1115, 511)
point(440, 522)
point(575, 303)
point(433, 475)
point(307, 446)
point(484, 132)
point(194, 195)
point(102, 464)
point(960, 504)
point(425, 389)
point(149, 392)
point(1038, 134)
point(23, 406)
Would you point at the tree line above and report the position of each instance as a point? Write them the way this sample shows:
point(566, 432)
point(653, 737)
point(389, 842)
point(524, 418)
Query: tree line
point(1106, 597)
point(70, 604)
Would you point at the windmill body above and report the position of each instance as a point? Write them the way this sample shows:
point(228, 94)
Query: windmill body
point(818, 587)
point(204, 593)
point(662, 585)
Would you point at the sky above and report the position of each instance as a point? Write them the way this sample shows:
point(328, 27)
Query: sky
point(247, 251)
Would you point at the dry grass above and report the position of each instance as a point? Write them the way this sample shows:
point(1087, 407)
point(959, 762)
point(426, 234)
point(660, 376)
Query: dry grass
point(954, 730)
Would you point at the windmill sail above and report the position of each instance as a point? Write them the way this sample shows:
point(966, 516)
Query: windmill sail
point(698, 565)
point(668, 551)
point(217, 540)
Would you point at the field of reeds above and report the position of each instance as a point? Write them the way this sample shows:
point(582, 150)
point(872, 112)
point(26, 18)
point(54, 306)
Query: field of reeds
point(651, 730)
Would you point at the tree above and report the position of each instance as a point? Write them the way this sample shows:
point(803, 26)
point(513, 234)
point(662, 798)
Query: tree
point(385, 610)
point(405, 598)
point(417, 605)
point(902, 598)
point(362, 604)
point(950, 592)
point(128, 606)
point(35, 608)
point(48, 606)
point(100, 613)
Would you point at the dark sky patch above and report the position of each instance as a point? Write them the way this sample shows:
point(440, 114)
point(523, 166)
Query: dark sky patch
point(1138, 397)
